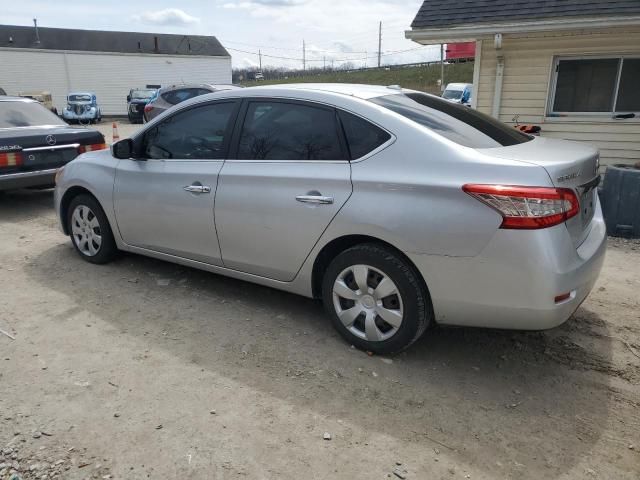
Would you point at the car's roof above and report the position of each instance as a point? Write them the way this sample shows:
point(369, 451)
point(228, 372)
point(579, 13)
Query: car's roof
point(458, 85)
point(219, 86)
point(351, 89)
point(8, 98)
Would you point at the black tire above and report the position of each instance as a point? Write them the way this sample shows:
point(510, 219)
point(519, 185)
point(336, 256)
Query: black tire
point(107, 249)
point(415, 299)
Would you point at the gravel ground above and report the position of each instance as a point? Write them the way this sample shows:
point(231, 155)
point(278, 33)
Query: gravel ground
point(144, 369)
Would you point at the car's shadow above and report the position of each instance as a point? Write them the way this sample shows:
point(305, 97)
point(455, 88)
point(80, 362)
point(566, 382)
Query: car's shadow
point(470, 392)
point(26, 204)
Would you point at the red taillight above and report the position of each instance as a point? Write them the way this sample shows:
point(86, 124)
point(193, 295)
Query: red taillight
point(562, 298)
point(92, 147)
point(12, 159)
point(148, 107)
point(527, 207)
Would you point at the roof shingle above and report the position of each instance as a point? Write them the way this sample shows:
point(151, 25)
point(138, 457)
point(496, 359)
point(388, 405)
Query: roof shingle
point(449, 13)
point(105, 41)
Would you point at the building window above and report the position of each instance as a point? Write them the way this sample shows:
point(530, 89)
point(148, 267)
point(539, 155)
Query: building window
point(607, 85)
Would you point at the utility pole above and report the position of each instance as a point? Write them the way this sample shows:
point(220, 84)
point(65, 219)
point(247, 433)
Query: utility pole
point(35, 24)
point(324, 62)
point(260, 57)
point(379, 43)
point(304, 55)
point(442, 67)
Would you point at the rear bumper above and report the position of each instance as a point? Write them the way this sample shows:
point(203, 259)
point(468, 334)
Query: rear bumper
point(39, 178)
point(513, 282)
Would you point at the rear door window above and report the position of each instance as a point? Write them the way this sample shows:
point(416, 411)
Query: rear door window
point(458, 123)
point(289, 131)
point(362, 136)
point(197, 133)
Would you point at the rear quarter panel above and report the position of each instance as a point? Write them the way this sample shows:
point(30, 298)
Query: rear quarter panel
point(410, 194)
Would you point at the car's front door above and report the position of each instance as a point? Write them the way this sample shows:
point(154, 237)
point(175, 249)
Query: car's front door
point(164, 200)
point(288, 179)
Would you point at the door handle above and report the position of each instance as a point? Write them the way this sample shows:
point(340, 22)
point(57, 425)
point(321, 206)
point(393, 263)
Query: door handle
point(317, 199)
point(197, 188)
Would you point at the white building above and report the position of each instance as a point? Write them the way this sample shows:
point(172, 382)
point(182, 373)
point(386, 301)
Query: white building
point(107, 63)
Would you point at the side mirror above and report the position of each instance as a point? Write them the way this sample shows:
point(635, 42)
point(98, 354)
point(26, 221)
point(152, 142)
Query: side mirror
point(122, 149)
point(128, 98)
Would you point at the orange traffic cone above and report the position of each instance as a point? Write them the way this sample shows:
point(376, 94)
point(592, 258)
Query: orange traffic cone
point(116, 137)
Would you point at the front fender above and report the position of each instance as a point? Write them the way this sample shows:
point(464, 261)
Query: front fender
point(95, 173)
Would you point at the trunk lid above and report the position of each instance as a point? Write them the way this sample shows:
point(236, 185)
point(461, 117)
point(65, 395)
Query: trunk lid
point(569, 165)
point(44, 147)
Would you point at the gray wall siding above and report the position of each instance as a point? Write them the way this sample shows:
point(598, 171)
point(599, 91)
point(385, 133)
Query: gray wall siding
point(110, 76)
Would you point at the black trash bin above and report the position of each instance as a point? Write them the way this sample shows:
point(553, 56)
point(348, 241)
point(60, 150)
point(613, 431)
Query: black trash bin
point(620, 198)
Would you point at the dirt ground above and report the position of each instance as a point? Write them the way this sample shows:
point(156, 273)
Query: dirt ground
point(144, 369)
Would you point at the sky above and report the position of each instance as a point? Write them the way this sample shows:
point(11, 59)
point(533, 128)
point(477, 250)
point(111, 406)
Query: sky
point(333, 30)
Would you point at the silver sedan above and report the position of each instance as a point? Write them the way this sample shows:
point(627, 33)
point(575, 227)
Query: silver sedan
point(398, 209)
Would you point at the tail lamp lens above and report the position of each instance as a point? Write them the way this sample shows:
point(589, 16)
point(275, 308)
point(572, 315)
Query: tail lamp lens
point(12, 159)
point(527, 207)
point(92, 147)
point(148, 108)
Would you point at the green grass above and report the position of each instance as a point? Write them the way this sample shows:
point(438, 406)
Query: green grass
point(417, 78)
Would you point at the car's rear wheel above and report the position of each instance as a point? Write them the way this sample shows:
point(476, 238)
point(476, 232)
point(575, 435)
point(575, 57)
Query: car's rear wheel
point(376, 299)
point(90, 232)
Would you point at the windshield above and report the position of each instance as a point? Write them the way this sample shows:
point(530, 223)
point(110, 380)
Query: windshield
point(458, 123)
point(143, 94)
point(79, 98)
point(26, 114)
point(452, 94)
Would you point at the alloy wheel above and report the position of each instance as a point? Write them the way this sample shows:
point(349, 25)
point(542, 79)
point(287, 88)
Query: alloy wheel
point(86, 231)
point(368, 303)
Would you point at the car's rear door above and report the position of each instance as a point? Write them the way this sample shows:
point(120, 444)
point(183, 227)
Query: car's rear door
point(289, 178)
point(164, 200)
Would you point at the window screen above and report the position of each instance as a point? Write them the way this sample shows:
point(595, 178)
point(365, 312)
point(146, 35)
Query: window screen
point(362, 136)
point(629, 90)
point(586, 85)
point(289, 131)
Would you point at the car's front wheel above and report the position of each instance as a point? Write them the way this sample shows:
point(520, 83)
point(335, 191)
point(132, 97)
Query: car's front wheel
point(90, 231)
point(376, 299)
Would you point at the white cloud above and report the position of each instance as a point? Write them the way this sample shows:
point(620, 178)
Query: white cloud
point(168, 16)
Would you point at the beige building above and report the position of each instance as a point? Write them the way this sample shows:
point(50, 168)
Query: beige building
point(572, 67)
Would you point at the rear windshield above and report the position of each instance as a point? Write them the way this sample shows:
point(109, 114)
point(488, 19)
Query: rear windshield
point(143, 94)
point(458, 123)
point(26, 114)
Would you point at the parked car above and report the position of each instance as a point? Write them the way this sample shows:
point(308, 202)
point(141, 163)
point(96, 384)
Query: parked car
point(136, 101)
point(82, 107)
point(397, 208)
point(458, 93)
point(43, 97)
point(34, 143)
point(167, 97)
point(258, 76)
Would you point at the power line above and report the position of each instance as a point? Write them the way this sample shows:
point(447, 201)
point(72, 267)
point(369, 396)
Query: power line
point(307, 60)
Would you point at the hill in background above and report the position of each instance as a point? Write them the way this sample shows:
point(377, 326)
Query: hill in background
point(422, 77)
